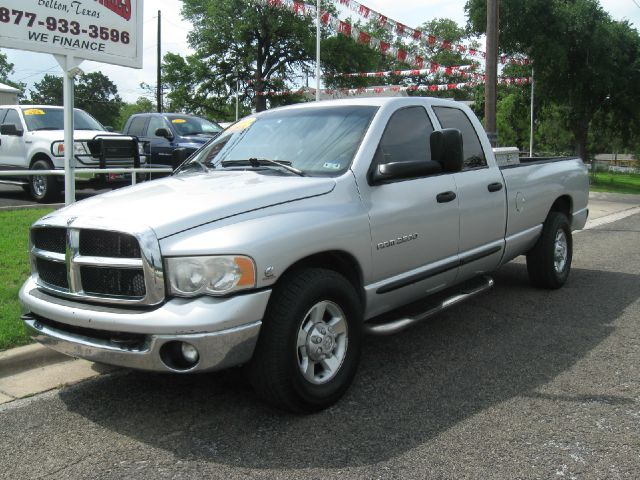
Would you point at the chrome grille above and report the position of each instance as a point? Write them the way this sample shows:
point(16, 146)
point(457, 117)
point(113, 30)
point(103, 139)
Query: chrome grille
point(97, 265)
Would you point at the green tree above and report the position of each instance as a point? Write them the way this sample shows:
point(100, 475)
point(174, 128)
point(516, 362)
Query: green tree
point(583, 59)
point(263, 46)
point(6, 69)
point(94, 92)
point(141, 105)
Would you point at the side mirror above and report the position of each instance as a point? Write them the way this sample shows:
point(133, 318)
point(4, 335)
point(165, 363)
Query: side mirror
point(178, 156)
point(108, 128)
point(163, 132)
point(10, 129)
point(447, 149)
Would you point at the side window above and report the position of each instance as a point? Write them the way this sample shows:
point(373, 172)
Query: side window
point(13, 117)
point(155, 123)
point(136, 127)
point(456, 118)
point(407, 137)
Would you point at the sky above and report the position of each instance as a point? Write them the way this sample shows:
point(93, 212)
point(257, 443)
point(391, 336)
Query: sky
point(31, 67)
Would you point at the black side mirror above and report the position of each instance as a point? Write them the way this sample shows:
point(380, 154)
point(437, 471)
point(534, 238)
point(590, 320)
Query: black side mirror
point(178, 156)
point(108, 128)
point(163, 132)
point(409, 169)
point(10, 129)
point(447, 149)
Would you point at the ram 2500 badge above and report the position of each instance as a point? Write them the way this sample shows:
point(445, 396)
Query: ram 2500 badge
point(283, 241)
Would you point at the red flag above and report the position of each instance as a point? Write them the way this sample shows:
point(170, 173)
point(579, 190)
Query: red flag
point(419, 62)
point(400, 28)
point(326, 16)
point(431, 39)
point(364, 37)
point(402, 55)
point(384, 47)
point(364, 11)
point(344, 28)
point(417, 35)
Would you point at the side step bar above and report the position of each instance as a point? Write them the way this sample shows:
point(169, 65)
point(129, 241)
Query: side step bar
point(392, 326)
point(17, 183)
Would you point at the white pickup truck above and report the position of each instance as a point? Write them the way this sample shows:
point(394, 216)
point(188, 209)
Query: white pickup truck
point(32, 138)
point(286, 238)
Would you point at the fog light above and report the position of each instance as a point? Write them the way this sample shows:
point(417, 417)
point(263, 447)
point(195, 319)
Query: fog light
point(190, 353)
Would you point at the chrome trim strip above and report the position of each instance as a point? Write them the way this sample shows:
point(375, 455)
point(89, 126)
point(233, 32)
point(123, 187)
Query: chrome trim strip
point(107, 262)
point(47, 255)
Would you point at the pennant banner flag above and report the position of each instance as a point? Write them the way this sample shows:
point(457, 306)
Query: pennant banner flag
point(394, 88)
point(404, 31)
point(360, 36)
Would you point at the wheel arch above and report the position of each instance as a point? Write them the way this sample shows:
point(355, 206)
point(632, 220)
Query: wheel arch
point(40, 156)
point(563, 204)
point(338, 261)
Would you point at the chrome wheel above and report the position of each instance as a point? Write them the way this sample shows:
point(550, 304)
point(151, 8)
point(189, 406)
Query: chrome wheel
point(560, 251)
point(39, 184)
point(322, 342)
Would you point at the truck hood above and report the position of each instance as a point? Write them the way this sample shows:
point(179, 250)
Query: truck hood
point(174, 204)
point(58, 135)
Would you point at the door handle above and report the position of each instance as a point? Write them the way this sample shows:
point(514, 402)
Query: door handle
point(494, 187)
point(445, 197)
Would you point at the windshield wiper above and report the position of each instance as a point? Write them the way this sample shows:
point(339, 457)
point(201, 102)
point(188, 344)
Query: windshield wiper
point(46, 128)
point(263, 162)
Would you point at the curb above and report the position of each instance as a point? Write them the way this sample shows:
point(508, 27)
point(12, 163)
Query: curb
point(22, 359)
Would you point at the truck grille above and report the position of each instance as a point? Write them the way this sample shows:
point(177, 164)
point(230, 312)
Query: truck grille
point(96, 265)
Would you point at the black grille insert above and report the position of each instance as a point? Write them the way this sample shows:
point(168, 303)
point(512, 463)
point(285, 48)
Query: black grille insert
point(53, 273)
point(51, 239)
point(126, 282)
point(101, 243)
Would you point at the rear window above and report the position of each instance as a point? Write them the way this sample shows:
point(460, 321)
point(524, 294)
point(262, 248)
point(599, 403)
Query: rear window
point(456, 118)
point(136, 127)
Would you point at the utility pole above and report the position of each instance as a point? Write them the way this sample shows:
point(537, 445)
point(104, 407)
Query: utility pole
point(318, 51)
point(491, 81)
point(159, 87)
point(533, 91)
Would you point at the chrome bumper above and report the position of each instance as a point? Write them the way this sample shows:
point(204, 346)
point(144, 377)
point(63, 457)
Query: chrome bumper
point(224, 331)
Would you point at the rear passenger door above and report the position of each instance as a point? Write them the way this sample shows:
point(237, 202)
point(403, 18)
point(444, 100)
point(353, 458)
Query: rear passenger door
point(481, 193)
point(414, 221)
point(13, 154)
point(161, 148)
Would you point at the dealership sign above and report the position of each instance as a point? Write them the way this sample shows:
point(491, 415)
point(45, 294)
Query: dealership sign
point(108, 31)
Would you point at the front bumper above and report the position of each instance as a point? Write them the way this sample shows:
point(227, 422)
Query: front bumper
point(223, 330)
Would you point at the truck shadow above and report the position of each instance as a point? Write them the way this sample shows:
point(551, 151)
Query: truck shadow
point(410, 387)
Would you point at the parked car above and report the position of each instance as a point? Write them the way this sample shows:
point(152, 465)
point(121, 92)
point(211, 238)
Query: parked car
point(290, 235)
point(166, 132)
point(32, 138)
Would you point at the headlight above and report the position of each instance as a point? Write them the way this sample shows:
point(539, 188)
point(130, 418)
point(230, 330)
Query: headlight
point(141, 148)
point(219, 275)
point(79, 148)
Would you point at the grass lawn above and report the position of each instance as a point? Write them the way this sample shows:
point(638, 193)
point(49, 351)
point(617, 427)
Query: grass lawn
point(615, 182)
point(14, 270)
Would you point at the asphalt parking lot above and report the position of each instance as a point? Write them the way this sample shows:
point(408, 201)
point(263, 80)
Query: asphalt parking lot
point(517, 383)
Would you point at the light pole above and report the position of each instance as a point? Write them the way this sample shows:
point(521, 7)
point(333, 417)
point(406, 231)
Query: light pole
point(318, 51)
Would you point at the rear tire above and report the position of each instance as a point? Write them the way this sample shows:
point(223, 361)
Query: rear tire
point(549, 261)
point(310, 342)
point(43, 189)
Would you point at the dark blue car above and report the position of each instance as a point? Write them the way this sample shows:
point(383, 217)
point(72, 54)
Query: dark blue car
point(166, 132)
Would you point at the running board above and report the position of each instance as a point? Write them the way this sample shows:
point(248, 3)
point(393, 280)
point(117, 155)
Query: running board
point(380, 326)
point(17, 183)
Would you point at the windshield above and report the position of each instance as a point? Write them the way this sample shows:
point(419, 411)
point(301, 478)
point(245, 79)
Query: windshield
point(318, 141)
point(193, 125)
point(53, 119)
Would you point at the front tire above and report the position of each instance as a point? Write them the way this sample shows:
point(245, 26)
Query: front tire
point(549, 261)
point(43, 188)
point(310, 342)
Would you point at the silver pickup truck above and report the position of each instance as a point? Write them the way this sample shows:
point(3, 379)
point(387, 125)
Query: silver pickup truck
point(284, 240)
